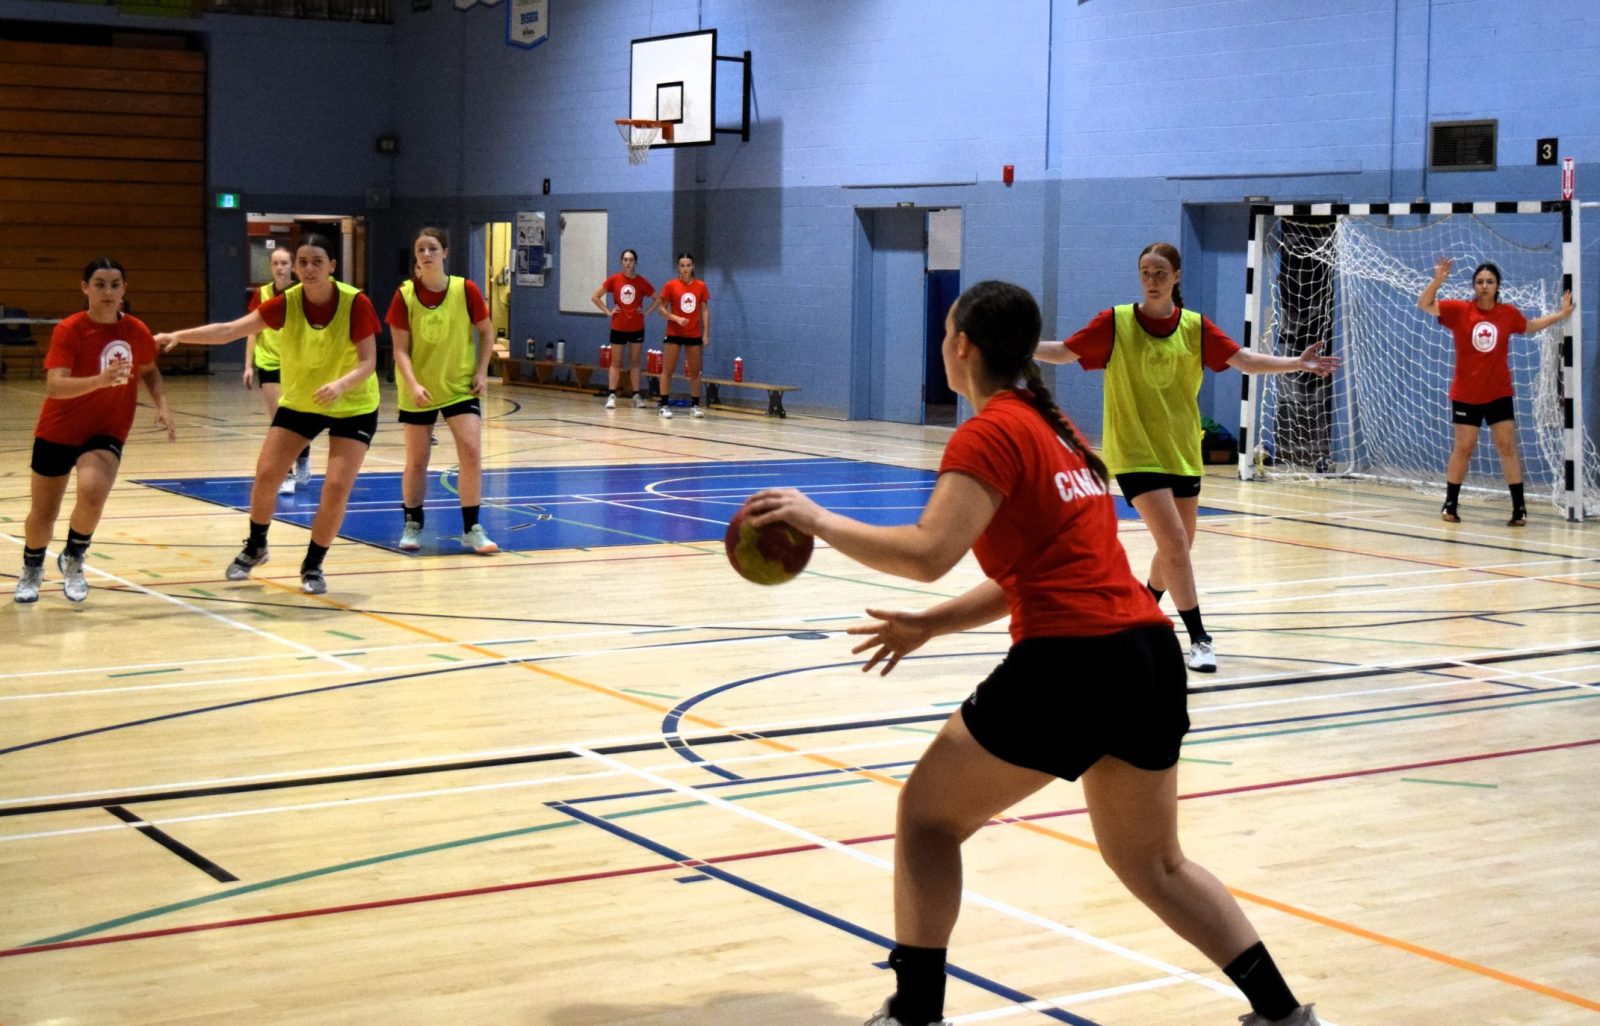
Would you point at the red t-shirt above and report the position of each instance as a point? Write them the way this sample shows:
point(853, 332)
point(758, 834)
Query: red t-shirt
point(85, 349)
point(363, 315)
point(1052, 545)
point(1094, 341)
point(399, 317)
point(685, 301)
point(627, 298)
point(1483, 347)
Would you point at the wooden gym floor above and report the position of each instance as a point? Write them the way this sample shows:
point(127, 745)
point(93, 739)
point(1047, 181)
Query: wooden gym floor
point(615, 784)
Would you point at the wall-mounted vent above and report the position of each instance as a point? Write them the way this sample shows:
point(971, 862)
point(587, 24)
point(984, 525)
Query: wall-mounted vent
point(1462, 145)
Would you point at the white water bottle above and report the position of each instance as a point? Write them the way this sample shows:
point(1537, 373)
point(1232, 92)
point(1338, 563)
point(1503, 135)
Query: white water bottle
point(561, 350)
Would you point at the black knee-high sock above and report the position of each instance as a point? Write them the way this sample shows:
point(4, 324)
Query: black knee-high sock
point(1452, 494)
point(1517, 502)
point(314, 554)
point(414, 513)
point(77, 544)
point(1154, 591)
point(1197, 627)
point(258, 538)
point(33, 557)
point(1255, 973)
point(469, 518)
point(919, 984)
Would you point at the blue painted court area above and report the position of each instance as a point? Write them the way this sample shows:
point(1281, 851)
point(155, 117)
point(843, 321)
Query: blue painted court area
point(541, 508)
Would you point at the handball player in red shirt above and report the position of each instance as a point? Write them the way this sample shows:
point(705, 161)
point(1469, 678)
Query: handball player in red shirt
point(1093, 687)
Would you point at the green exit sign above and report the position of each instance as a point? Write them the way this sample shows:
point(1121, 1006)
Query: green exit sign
point(227, 201)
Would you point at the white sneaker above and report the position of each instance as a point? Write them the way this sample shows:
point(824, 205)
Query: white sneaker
point(302, 471)
point(287, 487)
point(1302, 1016)
point(478, 541)
point(638, 401)
point(410, 537)
point(666, 414)
point(611, 401)
point(696, 412)
point(1203, 657)
point(882, 1018)
point(28, 584)
point(71, 567)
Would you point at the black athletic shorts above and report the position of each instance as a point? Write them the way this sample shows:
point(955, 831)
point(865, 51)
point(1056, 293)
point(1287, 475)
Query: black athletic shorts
point(674, 340)
point(627, 338)
point(1138, 484)
point(430, 417)
point(361, 427)
point(1058, 704)
point(52, 459)
point(268, 377)
point(1475, 414)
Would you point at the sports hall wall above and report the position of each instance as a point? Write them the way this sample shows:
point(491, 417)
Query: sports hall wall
point(1126, 121)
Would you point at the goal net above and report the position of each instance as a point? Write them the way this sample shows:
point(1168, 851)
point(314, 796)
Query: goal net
point(1348, 275)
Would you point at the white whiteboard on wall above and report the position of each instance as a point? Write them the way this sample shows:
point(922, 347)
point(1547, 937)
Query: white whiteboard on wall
point(582, 258)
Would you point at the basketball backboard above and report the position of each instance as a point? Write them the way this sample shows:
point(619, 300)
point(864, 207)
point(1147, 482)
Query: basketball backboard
point(673, 78)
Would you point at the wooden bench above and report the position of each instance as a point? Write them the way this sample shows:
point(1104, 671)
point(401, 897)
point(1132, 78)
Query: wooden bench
point(775, 408)
point(544, 372)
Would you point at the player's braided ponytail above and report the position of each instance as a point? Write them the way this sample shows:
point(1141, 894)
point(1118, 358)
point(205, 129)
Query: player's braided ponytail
point(1003, 321)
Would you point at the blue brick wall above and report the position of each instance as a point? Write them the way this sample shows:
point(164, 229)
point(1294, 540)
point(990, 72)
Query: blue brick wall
point(1126, 121)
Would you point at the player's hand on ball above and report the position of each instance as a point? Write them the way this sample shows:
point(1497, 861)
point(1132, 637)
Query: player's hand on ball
point(894, 633)
point(786, 504)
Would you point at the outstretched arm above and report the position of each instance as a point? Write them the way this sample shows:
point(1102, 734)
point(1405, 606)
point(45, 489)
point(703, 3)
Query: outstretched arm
point(957, 512)
point(212, 334)
point(1311, 361)
point(1054, 352)
point(1428, 302)
point(1538, 324)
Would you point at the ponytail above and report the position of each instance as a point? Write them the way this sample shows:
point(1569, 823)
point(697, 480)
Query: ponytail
point(1039, 397)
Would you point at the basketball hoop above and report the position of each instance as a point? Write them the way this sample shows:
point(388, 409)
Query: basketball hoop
point(640, 134)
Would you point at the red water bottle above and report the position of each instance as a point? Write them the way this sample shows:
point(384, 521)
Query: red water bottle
point(656, 360)
point(605, 356)
point(738, 368)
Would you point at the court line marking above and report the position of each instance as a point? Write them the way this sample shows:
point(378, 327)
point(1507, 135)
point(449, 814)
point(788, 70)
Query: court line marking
point(967, 893)
point(810, 911)
point(207, 613)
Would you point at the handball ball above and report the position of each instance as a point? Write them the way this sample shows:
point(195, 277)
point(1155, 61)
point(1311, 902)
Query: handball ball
point(766, 555)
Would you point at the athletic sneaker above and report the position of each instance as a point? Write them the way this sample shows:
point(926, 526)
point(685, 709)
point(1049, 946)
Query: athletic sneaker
point(302, 471)
point(411, 537)
point(71, 567)
point(666, 414)
point(696, 412)
point(882, 1018)
point(611, 401)
point(243, 563)
point(1203, 657)
point(28, 584)
point(1302, 1016)
point(287, 487)
point(1519, 518)
point(1448, 513)
point(312, 582)
point(478, 541)
point(638, 401)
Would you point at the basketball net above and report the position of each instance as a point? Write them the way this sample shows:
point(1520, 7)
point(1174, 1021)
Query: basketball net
point(639, 135)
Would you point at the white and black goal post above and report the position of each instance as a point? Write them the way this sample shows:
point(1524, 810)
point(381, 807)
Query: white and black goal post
point(1348, 275)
